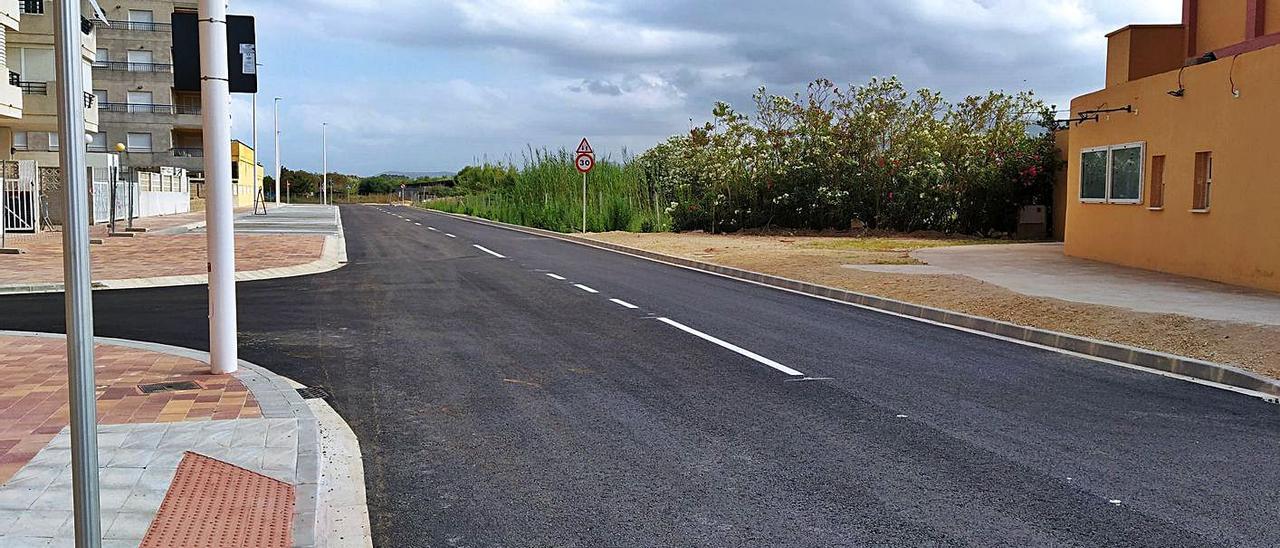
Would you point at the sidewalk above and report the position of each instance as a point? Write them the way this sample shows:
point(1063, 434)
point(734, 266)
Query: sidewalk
point(307, 240)
point(254, 424)
point(1043, 270)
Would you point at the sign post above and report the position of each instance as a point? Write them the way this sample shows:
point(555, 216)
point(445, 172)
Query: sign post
point(585, 162)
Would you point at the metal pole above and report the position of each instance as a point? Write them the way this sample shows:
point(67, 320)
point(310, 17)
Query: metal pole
point(255, 153)
point(277, 150)
point(216, 98)
point(584, 203)
point(4, 210)
point(75, 277)
point(324, 145)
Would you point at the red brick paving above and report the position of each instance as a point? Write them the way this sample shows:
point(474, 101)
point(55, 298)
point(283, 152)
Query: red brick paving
point(151, 255)
point(34, 392)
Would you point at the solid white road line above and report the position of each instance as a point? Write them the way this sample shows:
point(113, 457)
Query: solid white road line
point(732, 347)
point(489, 251)
point(555, 276)
point(623, 303)
point(585, 288)
point(451, 235)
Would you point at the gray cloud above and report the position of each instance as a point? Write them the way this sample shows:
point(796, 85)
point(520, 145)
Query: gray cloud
point(542, 72)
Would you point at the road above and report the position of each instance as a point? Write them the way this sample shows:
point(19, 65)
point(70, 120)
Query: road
point(513, 390)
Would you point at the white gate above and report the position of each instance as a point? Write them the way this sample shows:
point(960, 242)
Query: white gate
point(101, 181)
point(19, 197)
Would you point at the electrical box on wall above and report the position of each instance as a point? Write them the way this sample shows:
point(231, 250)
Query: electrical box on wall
point(242, 53)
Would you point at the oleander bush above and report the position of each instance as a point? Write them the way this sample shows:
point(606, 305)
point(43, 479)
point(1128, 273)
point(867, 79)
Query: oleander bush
point(875, 155)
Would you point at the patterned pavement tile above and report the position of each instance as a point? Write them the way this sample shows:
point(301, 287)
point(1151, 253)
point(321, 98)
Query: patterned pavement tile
point(34, 392)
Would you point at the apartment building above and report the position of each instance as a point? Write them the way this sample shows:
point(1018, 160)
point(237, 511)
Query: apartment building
point(133, 82)
point(1173, 166)
point(28, 100)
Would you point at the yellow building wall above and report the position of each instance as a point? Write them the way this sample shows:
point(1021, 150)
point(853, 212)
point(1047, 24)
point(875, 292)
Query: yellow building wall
point(1238, 240)
point(244, 158)
point(1220, 23)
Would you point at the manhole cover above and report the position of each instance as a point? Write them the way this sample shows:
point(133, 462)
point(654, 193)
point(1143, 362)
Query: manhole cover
point(313, 393)
point(168, 387)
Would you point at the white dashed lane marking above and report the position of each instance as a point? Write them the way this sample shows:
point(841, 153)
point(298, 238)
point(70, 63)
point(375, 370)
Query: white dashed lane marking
point(489, 251)
point(731, 346)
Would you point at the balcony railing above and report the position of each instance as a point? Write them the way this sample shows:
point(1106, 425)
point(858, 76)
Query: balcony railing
point(34, 88)
point(145, 108)
point(89, 99)
point(14, 78)
point(140, 26)
point(188, 152)
point(125, 66)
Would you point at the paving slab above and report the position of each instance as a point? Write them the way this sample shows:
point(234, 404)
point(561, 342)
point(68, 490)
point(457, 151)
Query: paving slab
point(1043, 270)
point(252, 419)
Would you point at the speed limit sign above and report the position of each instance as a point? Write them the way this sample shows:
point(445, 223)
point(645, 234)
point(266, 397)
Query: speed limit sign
point(586, 163)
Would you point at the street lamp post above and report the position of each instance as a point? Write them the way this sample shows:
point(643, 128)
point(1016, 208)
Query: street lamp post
point(277, 151)
point(324, 145)
point(76, 277)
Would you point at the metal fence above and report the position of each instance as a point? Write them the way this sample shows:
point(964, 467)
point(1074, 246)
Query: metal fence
point(19, 199)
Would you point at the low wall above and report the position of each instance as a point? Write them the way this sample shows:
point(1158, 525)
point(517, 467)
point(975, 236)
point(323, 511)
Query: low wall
point(154, 203)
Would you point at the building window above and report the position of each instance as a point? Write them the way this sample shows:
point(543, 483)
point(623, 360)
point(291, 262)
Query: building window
point(101, 94)
point(140, 101)
point(1093, 175)
point(139, 60)
point(32, 7)
point(138, 142)
point(1112, 174)
point(101, 56)
point(53, 141)
point(1156, 197)
point(1202, 193)
point(20, 140)
point(99, 143)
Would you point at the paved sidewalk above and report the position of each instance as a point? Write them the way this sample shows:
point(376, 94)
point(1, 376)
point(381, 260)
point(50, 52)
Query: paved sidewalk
point(306, 240)
point(1043, 270)
point(252, 419)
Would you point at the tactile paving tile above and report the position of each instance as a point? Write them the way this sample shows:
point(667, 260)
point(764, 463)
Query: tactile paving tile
point(215, 504)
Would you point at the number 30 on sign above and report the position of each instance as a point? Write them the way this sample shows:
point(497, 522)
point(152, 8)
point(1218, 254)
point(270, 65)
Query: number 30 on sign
point(586, 163)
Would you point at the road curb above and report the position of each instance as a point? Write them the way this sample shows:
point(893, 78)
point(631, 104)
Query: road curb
point(279, 399)
point(1138, 357)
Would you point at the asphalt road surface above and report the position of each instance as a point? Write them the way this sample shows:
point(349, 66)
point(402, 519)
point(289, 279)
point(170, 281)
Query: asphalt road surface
point(512, 390)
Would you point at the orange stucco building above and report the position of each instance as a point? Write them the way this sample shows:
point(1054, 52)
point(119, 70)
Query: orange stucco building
point(1175, 165)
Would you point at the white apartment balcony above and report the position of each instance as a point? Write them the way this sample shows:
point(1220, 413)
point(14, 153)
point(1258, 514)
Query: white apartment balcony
point(10, 96)
point(10, 14)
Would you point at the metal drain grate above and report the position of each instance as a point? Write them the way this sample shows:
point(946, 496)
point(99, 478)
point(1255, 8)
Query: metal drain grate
point(169, 387)
point(313, 393)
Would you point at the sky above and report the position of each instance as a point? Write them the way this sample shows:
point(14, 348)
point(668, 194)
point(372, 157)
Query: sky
point(426, 85)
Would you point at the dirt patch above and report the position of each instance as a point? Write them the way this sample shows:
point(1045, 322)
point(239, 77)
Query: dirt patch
point(821, 260)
